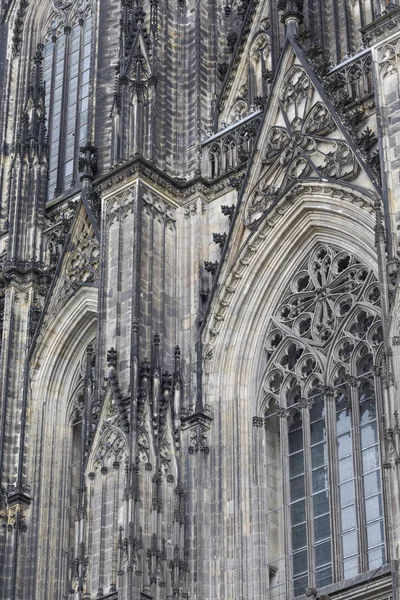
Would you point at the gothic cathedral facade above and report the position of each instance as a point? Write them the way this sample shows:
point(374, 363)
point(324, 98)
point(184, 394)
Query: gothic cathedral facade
point(199, 300)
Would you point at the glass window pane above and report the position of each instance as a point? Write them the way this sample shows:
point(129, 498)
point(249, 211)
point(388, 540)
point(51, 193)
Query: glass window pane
point(317, 432)
point(370, 459)
point(322, 528)
point(350, 543)
point(323, 554)
point(296, 464)
point(351, 567)
point(298, 512)
point(299, 536)
point(343, 421)
point(85, 78)
point(320, 479)
point(342, 401)
point(69, 167)
point(376, 557)
point(321, 503)
point(317, 411)
point(347, 493)
point(300, 562)
point(369, 435)
point(375, 534)
point(345, 446)
point(373, 508)
point(346, 469)
point(367, 410)
point(297, 489)
point(82, 134)
point(295, 440)
point(372, 484)
point(299, 585)
point(319, 455)
point(349, 519)
point(85, 90)
point(323, 577)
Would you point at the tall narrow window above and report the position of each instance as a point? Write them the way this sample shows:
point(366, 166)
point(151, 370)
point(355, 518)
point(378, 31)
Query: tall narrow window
point(67, 81)
point(321, 349)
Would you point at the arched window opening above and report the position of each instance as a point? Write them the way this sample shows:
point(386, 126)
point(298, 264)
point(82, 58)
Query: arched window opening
point(260, 64)
point(215, 160)
point(66, 74)
point(229, 151)
point(322, 346)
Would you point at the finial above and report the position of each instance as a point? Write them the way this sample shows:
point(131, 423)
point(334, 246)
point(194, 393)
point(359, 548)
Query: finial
point(292, 15)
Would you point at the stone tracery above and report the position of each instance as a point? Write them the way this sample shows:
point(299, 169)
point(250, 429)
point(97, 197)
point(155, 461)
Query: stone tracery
point(303, 145)
point(322, 357)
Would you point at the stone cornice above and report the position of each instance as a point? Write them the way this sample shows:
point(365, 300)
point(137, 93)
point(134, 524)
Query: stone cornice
point(182, 192)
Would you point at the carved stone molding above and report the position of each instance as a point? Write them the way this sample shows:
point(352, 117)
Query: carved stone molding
point(246, 257)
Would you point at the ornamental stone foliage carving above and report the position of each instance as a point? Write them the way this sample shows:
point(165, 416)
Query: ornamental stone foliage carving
point(83, 263)
point(302, 145)
point(325, 330)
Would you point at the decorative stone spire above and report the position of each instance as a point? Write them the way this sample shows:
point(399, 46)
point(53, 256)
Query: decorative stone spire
point(292, 15)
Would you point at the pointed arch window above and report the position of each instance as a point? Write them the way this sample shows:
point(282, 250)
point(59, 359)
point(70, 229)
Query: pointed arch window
point(66, 73)
point(323, 352)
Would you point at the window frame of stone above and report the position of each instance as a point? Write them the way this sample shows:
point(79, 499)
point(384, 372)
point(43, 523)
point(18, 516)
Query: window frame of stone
point(310, 371)
point(67, 68)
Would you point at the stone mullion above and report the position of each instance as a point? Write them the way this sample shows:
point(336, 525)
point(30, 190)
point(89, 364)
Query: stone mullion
point(49, 120)
point(357, 461)
point(163, 296)
point(150, 142)
point(15, 217)
point(124, 119)
point(14, 379)
point(152, 323)
point(390, 484)
point(104, 264)
point(6, 168)
point(64, 105)
point(115, 529)
point(78, 102)
point(260, 545)
point(94, 56)
point(348, 27)
point(8, 328)
point(90, 510)
point(103, 515)
point(309, 495)
point(284, 443)
point(136, 124)
point(333, 484)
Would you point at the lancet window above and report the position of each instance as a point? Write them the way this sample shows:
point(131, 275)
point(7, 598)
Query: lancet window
point(321, 381)
point(66, 73)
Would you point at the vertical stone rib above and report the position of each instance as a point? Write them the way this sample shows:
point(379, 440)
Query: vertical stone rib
point(103, 516)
